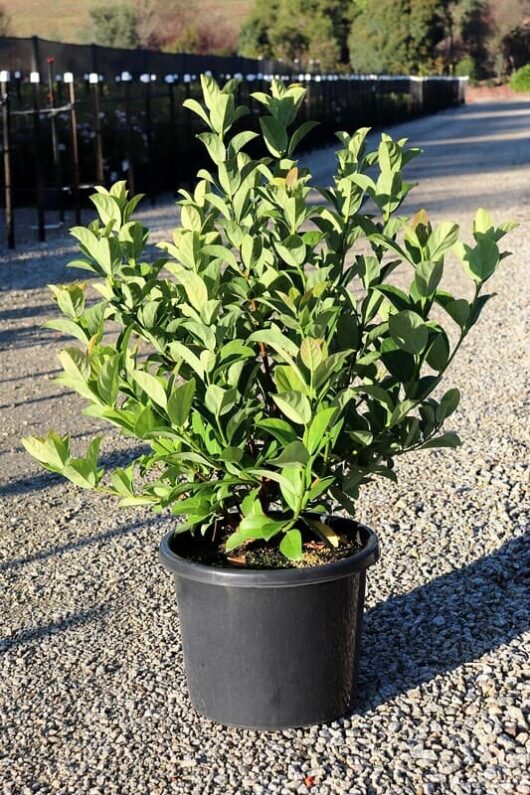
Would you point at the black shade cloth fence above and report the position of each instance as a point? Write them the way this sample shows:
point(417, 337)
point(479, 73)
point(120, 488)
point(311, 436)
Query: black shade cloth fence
point(74, 116)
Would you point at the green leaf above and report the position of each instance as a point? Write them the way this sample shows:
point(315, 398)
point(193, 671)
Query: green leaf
point(398, 363)
point(448, 405)
point(442, 239)
point(196, 289)
point(428, 275)
point(315, 434)
point(311, 353)
point(300, 133)
point(214, 145)
point(276, 339)
point(196, 107)
point(218, 400)
point(121, 480)
point(251, 528)
point(70, 327)
point(274, 135)
point(481, 260)
point(294, 405)
point(292, 250)
point(457, 308)
point(51, 450)
point(401, 411)
point(483, 221)
point(152, 386)
point(280, 429)
point(294, 454)
point(108, 378)
point(438, 354)
point(180, 351)
point(291, 545)
point(108, 209)
point(179, 403)
point(449, 439)
point(408, 331)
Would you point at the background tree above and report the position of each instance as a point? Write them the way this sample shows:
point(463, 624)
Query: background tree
point(113, 26)
point(303, 30)
point(379, 39)
point(159, 22)
point(476, 30)
point(511, 38)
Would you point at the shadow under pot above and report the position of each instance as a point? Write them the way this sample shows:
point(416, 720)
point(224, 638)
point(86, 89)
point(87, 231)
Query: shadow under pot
point(275, 648)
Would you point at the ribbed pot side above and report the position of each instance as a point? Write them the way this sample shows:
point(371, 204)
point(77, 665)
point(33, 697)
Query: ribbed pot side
point(272, 649)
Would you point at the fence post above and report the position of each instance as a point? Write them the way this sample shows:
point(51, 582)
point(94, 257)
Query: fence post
point(126, 79)
point(37, 148)
point(69, 79)
point(146, 79)
point(93, 80)
point(10, 220)
point(55, 140)
point(170, 80)
point(35, 66)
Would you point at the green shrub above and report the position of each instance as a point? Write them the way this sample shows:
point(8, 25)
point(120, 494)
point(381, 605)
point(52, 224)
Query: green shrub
point(466, 67)
point(520, 80)
point(266, 358)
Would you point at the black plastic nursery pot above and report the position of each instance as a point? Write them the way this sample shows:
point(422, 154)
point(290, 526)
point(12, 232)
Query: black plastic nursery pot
point(274, 648)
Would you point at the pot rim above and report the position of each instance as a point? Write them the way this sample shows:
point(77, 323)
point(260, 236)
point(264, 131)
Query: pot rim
point(273, 578)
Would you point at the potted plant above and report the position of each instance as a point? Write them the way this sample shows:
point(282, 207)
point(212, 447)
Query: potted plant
point(273, 369)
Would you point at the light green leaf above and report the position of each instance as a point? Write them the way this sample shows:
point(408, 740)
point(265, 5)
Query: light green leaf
point(294, 405)
point(196, 289)
point(294, 454)
point(152, 386)
point(218, 400)
point(311, 353)
point(315, 435)
point(291, 545)
point(108, 209)
point(179, 403)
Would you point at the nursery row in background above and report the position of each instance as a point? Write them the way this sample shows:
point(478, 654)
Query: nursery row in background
point(63, 133)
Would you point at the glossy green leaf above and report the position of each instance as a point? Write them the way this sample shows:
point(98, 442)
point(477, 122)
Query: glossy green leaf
point(179, 403)
point(152, 386)
point(295, 406)
point(408, 331)
point(294, 454)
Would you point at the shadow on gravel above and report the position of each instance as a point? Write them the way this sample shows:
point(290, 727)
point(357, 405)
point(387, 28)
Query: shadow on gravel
point(41, 399)
point(81, 543)
point(452, 620)
point(27, 311)
point(30, 375)
point(28, 337)
point(46, 480)
point(38, 633)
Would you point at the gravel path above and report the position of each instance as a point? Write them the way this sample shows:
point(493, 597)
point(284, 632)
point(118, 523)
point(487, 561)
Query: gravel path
point(92, 695)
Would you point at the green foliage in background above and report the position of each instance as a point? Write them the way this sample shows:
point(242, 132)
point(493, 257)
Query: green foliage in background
point(466, 68)
point(305, 30)
point(392, 36)
point(520, 80)
point(266, 357)
point(114, 25)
